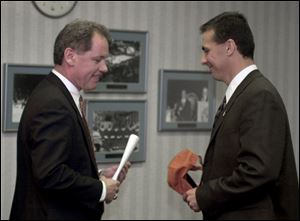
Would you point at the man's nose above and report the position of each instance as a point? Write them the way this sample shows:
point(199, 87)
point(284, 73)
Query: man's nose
point(203, 59)
point(103, 67)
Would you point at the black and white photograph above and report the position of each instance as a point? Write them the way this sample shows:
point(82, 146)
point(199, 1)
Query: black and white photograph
point(111, 130)
point(186, 100)
point(23, 86)
point(111, 123)
point(20, 81)
point(127, 63)
point(123, 62)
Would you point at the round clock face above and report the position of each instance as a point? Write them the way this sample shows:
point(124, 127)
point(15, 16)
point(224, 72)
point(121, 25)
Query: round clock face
point(54, 9)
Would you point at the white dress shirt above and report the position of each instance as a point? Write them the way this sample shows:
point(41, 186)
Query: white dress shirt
point(237, 80)
point(75, 95)
point(71, 88)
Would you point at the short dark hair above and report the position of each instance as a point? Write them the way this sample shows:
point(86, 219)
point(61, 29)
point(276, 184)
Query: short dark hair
point(77, 35)
point(232, 25)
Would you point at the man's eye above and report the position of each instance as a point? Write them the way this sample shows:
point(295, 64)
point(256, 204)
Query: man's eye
point(205, 50)
point(98, 60)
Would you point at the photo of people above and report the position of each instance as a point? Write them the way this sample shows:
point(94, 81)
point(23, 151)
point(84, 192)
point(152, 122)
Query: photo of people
point(187, 101)
point(202, 104)
point(111, 130)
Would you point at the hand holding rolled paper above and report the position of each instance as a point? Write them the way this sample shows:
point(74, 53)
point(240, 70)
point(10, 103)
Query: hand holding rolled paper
point(132, 142)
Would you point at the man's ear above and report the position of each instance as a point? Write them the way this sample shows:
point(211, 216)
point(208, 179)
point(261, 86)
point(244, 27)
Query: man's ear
point(70, 56)
point(230, 47)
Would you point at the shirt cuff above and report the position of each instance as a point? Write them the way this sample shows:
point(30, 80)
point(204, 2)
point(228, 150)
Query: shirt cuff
point(103, 192)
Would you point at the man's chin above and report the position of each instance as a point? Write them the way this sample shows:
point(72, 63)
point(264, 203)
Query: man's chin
point(91, 87)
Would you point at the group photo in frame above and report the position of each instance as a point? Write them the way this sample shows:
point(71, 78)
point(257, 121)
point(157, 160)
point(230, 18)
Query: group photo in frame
point(111, 123)
point(186, 100)
point(127, 63)
point(19, 82)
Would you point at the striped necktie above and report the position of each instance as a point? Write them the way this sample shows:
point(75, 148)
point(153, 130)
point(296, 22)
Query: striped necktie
point(85, 124)
point(82, 107)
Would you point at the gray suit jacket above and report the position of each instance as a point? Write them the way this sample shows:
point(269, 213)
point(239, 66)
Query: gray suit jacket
point(249, 168)
point(56, 171)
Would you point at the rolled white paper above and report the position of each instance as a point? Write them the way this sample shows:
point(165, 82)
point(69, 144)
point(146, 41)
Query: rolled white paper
point(132, 142)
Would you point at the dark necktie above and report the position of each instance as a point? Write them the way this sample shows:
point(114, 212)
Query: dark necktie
point(86, 127)
point(220, 110)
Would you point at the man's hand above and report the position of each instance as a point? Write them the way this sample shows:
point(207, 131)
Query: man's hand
point(190, 198)
point(112, 188)
point(198, 166)
point(109, 172)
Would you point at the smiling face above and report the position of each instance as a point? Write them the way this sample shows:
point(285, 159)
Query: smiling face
point(90, 66)
point(214, 55)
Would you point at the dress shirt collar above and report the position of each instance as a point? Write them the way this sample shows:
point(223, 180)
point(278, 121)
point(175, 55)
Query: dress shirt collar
point(70, 86)
point(237, 80)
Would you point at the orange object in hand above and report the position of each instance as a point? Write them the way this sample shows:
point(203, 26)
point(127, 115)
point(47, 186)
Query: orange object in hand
point(178, 177)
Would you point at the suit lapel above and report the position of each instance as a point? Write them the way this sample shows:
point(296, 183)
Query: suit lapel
point(232, 100)
point(55, 80)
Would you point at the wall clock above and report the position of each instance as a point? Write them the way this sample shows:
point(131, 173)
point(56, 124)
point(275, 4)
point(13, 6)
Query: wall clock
point(55, 9)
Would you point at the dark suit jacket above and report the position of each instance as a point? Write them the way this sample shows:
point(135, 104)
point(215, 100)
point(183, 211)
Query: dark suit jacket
point(249, 168)
point(184, 111)
point(56, 171)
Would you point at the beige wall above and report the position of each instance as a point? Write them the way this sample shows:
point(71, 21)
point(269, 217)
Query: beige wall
point(174, 43)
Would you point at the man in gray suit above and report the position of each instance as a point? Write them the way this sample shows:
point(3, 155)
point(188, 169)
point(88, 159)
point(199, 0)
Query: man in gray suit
point(249, 169)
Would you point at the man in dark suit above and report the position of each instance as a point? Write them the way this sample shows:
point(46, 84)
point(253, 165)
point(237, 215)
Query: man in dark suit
point(183, 109)
point(249, 170)
point(57, 175)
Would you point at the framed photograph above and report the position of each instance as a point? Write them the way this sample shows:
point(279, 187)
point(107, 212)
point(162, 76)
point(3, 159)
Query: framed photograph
point(186, 100)
point(111, 122)
point(19, 82)
point(127, 63)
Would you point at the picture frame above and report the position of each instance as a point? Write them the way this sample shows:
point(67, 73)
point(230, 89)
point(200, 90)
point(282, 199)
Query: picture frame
point(186, 100)
point(19, 82)
point(111, 122)
point(127, 63)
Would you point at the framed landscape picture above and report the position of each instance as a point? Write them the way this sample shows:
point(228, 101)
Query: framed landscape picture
point(19, 82)
point(111, 123)
point(127, 63)
point(186, 100)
